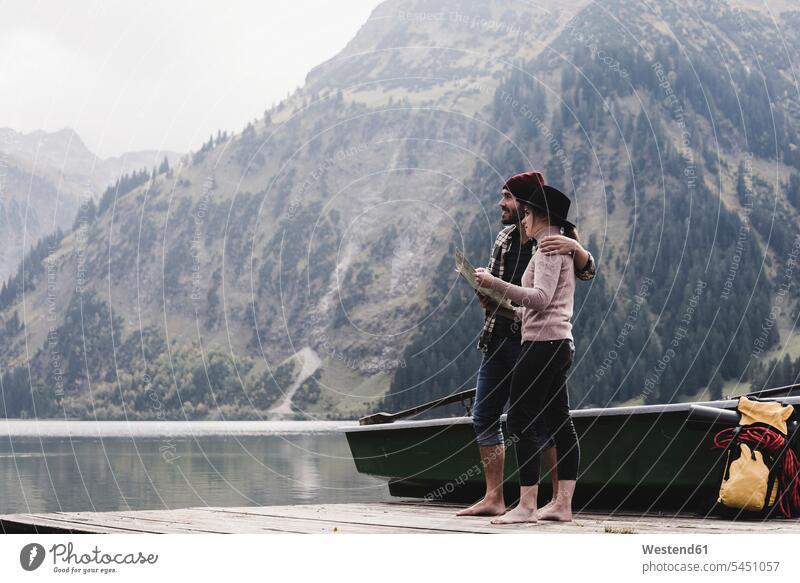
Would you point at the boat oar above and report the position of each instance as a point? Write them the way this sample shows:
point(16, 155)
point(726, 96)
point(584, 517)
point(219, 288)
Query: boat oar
point(713, 414)
point(377, 418)
point(726, 416)
point(770, 392)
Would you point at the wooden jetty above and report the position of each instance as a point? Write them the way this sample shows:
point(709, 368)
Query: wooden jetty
point(386, 517)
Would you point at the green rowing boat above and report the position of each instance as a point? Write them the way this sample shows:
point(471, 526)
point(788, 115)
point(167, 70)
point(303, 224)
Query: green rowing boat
point(646, 458)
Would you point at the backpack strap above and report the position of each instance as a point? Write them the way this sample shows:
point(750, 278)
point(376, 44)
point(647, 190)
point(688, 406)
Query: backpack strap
point(731, 446)
point(771, 480)
point(777, 471)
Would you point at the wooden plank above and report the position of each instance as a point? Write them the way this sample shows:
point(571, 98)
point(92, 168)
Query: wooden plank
point(665, 522)
point(239, 522)
point(166, 522)
point(376, 518)
point(242, 520)
point(444, 519)
point(353, 517)
point(49, 523)
point(195, 520)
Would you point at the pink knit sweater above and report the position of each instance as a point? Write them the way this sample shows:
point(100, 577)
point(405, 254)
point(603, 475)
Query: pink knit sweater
point(546, 295)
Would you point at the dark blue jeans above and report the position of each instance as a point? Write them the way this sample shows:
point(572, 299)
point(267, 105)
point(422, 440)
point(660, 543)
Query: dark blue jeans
point(494, 388)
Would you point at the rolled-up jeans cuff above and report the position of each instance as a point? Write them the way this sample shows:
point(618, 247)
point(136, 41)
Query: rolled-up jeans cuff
point(495, 438)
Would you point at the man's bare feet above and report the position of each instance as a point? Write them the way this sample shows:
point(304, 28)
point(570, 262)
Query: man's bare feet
point(484, 507)
point(516, 515)
point(557, 512)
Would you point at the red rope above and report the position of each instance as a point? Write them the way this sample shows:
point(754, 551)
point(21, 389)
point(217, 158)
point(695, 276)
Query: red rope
point(772, 442)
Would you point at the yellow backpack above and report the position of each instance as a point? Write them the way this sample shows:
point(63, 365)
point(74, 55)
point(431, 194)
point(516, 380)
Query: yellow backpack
point(750, 479)
point(746, 480)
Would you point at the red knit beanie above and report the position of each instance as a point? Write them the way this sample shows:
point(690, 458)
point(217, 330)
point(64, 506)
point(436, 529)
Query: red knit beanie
point(524, 184)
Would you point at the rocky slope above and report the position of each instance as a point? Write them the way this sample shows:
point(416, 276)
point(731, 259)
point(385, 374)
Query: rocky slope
point(44, 176)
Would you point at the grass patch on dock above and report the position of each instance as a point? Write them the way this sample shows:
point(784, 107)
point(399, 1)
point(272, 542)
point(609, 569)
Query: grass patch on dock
point(618, 530)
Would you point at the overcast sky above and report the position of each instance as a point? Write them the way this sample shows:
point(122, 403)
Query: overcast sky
point(141, 75)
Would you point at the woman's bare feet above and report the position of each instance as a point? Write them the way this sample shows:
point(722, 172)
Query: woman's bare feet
point(547, 507)
point(560, 507)
point(555, 511)
point(516, 515)
point(484, 507)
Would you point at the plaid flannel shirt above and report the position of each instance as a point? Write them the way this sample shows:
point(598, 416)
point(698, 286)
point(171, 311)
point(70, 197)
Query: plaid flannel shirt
point(496, 267)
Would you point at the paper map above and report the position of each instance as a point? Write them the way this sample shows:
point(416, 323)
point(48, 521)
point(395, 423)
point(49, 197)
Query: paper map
point(467, 271)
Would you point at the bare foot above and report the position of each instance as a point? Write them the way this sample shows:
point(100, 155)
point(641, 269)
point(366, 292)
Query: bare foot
point(516, 515)
point(547, 507)
point(556, 512)
point(484, 507)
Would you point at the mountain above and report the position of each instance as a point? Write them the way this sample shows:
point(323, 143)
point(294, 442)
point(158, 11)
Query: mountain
point(305, 263)
point(44, 176)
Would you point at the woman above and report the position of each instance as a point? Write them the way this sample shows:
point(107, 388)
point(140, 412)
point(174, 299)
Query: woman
point(539, 402)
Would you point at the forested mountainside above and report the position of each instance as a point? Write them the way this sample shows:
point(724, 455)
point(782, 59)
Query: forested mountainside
point(45, 177)
point(305, 264)
point(680, 144)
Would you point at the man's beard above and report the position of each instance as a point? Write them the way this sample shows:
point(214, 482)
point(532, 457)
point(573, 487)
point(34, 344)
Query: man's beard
point(509, 218)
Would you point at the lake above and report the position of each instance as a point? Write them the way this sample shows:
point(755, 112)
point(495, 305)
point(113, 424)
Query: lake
point(49, 466)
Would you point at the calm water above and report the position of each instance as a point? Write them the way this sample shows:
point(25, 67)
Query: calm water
point(48, 466)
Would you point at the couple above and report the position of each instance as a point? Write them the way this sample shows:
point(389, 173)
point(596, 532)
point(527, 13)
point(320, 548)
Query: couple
point(528, 351)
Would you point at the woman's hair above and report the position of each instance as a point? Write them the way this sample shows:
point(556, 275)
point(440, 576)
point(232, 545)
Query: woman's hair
point(536, 211)
point(570, 232)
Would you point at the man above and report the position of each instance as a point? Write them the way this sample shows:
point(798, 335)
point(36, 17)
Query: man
point(501, 340)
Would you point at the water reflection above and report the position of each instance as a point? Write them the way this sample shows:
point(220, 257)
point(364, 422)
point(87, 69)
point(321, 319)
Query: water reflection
point(119, 473)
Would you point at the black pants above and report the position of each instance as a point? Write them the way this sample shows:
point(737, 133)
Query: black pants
point(540, 409)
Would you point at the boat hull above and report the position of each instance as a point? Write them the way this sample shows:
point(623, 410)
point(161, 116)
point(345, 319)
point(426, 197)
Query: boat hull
point(644, 458)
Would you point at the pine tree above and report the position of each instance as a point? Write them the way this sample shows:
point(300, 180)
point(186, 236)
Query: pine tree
point(715, 388)
point(741, 185)
point(793, 190)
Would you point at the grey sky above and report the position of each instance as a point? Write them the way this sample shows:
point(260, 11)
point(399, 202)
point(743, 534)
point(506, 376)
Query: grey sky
point(160, 75)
